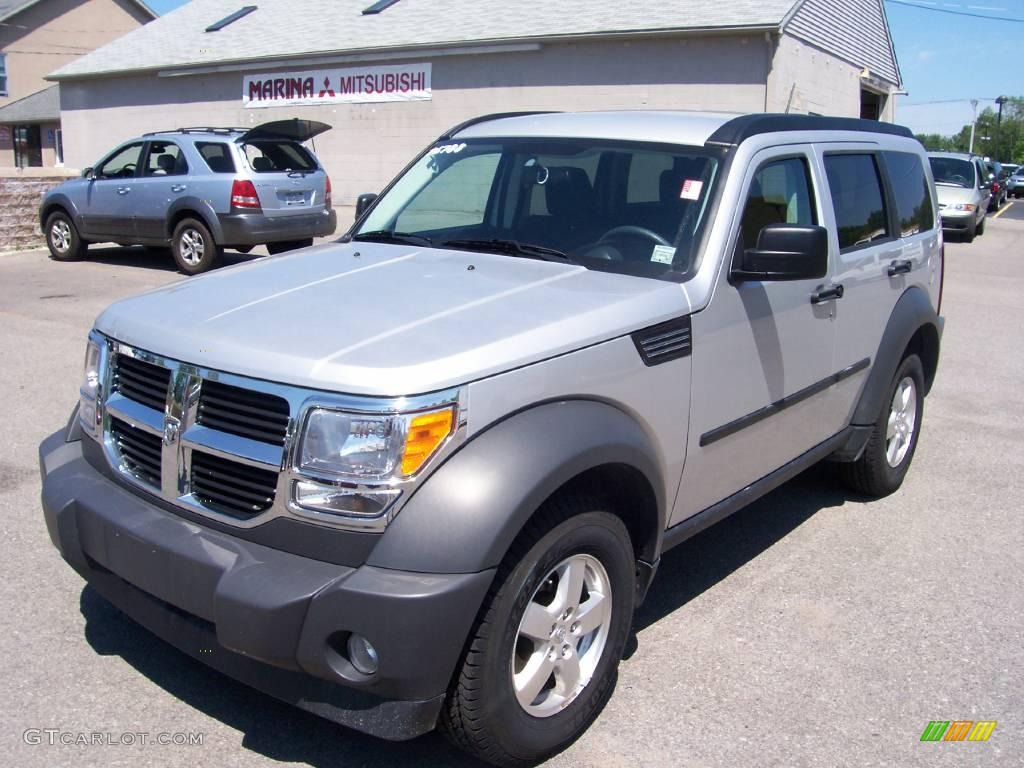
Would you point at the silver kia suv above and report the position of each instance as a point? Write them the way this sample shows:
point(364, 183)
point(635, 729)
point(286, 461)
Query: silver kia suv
point(199, 191)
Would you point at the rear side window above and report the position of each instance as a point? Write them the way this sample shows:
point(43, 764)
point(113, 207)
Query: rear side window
point(912, 193)
point(857, 199)
point(277, 156)
point(217, 156)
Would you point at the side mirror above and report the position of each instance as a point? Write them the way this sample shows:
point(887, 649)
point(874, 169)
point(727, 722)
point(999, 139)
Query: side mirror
point(88, 173)
point(363, 202)
point(786, 252)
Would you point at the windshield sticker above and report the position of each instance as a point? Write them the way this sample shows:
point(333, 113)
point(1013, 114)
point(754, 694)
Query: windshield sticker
point(691, 189)
point(663, 254)
point(447, 149)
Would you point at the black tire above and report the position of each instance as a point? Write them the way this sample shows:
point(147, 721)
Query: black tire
point(970, 232)
point(482, 714)
point(873, 474)
point(62, 238)
point(288, 245)
point(194, 248)
point(981, 227)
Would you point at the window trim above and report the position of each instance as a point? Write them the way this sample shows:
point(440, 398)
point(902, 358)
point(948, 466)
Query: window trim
point(886, 198)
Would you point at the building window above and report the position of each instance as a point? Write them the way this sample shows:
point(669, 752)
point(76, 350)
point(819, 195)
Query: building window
point(3, 74)
point(58, 147)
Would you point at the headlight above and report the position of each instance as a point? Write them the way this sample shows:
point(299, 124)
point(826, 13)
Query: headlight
point(372, 447)
point(351, 464)
point(965, 206)
point(88, 413)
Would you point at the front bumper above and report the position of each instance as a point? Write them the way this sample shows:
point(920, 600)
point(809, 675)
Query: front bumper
point(958, 221)
point(259, 229)
point(273, 620)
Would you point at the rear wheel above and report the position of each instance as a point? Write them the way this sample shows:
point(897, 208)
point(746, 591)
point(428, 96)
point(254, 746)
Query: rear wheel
point(886, 458)
point(194, 248)
point(541, 661)
point(62, 238)
point(288, 245)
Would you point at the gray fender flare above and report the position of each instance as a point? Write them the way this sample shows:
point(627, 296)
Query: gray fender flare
point(468, 512)
point(913, 311)
point(205, 211)
point(62, 201)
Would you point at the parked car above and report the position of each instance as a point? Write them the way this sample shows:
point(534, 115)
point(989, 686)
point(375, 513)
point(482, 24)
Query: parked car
point(964, 192)
point(197, 190)
point(996, 175)
point(1015, 184)
point(425, 474)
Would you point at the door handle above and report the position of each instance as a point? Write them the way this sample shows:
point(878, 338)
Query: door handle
point(900, 267)
point(825, 294)
point(123, 190)
point(178, 188)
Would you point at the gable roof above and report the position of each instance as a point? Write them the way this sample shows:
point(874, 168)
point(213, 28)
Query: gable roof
point(280, 29)
point(39, 107)
point(9, 9)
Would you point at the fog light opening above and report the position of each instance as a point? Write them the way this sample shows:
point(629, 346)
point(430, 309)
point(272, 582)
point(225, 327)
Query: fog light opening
point(362, 654)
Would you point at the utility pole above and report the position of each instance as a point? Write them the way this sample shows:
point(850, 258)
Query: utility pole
point(999, 123)
point(974, 123)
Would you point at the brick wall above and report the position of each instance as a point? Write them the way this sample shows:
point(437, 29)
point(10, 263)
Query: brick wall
point(20, 193)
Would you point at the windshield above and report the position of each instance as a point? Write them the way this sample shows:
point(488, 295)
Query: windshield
point(952, 171)
point(623, 207)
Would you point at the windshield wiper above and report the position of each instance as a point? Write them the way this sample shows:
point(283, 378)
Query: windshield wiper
point(384, 236)
point(512, 247)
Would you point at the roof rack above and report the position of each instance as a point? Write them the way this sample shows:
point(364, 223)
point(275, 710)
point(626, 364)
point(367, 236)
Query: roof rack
point(199, 129)
point(487, 118)
point(737, 130)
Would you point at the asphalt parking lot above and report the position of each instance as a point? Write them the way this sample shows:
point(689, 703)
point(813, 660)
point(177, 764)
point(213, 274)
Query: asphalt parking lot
point(811, 629)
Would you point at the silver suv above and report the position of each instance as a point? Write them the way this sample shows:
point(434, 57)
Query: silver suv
point(198, 190)
point(424, 475)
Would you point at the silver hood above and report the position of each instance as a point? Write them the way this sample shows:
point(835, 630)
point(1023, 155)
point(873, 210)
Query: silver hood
point(381, 319)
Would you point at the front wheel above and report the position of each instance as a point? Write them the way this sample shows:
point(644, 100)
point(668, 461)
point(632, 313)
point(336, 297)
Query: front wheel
point(542, 659)
point(981, 226)
point(62, 238)
point(886, 458)
point(194, 248)
point(970, 232)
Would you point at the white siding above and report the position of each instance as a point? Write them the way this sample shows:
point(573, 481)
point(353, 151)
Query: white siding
point(853, 30)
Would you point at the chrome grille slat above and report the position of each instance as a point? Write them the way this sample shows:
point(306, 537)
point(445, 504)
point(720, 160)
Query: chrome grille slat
point(243, 412)
point(140, 381)
point(227, 485)
point(139, 451)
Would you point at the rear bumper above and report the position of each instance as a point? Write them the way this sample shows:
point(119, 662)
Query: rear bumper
point(273, 620)
point(258, 228)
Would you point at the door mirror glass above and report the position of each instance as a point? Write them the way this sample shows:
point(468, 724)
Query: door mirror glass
point(786, 252)
point(87, 173)
point(363, 202)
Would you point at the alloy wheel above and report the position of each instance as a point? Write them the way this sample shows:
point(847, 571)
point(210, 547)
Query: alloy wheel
point(899, 433)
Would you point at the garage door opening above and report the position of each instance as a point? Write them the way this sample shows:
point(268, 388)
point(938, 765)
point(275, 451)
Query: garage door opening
point(871, 104)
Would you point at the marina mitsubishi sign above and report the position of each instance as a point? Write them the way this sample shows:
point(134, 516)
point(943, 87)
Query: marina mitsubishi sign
point(402, 82)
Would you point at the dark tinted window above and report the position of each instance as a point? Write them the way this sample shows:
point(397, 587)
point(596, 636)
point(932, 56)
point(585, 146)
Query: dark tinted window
point(912, 193)
point(857, 199)
point(217, 156)
point(164, 159)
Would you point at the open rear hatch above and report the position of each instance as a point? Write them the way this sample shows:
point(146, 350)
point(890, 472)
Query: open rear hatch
point(286, 175)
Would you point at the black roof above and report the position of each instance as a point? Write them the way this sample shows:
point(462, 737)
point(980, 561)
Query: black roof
point(739, 129)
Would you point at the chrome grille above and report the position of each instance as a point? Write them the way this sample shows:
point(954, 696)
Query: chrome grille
point(243, 412)
point(140, 381)
point(230, 487)
point(139, 451)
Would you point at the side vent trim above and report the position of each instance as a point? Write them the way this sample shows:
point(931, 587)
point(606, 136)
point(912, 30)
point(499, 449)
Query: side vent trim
point(665, 341)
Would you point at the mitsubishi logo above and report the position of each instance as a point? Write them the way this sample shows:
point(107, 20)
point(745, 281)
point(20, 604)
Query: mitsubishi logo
point(172, 427)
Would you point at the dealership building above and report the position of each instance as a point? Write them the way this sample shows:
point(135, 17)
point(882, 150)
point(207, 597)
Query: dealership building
point(390, 76)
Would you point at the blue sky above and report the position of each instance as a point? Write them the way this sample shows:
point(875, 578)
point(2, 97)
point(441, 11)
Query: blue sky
point(944, 57)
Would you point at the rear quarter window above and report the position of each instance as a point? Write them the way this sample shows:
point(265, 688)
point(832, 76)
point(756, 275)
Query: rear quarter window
point(911, 192)
point(857, 199)
point(217, 156)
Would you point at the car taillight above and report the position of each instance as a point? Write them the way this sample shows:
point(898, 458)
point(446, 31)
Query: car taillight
point(327, 191)
point(243, 195)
